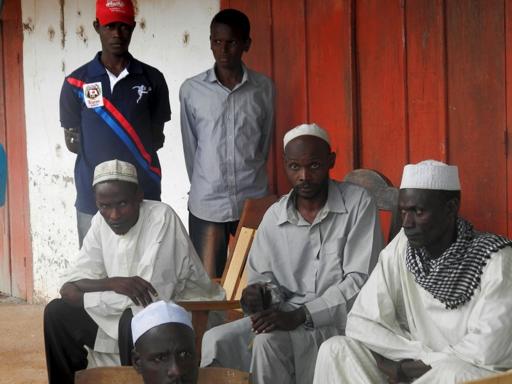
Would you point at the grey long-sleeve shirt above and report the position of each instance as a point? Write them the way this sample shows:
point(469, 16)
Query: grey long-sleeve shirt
point(226, 138)
point(322, 265)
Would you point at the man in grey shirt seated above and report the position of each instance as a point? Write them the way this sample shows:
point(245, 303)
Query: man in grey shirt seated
point(312, 253)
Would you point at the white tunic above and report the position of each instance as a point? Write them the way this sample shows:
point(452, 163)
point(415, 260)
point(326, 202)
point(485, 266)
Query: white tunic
point(157, 249)
point(398, 319)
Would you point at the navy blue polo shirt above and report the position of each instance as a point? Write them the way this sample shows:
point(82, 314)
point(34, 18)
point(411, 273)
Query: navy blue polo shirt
point(126, 127)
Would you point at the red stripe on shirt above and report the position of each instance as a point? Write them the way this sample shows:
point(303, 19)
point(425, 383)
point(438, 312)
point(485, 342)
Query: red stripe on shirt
point(124, 123)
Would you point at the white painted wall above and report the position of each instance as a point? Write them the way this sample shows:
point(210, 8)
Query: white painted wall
point(159, 40)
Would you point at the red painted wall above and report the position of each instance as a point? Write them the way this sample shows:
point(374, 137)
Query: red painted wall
point(394, 82)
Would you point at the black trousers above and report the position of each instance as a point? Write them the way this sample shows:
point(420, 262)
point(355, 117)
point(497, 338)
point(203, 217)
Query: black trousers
point(67, 330)
point(211, 240)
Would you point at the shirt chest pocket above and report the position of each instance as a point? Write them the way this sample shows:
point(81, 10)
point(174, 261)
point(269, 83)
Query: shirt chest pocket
point(331, 258)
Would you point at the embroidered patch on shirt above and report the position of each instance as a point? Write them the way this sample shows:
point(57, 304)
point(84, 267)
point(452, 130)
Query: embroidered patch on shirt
point(93, 95)
point(141, 91)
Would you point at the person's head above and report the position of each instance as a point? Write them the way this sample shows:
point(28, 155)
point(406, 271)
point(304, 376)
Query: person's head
point(429, 200)
point(308, 159)
point(117, 193)
point(164, 340)
point(115, 21)
point(229, 38)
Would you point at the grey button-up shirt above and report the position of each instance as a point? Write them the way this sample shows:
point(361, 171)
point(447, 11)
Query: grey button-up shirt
point(226, 138)
point(322, 265)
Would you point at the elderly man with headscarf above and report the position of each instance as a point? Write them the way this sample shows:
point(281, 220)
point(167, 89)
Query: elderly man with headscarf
point(137, 251)
point(313, 251)
point(436, 309)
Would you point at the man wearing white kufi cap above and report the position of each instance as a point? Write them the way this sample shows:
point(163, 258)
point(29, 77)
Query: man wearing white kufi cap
point(313, 251)
point(436, 309)
point(135, 252)
point(164, 344)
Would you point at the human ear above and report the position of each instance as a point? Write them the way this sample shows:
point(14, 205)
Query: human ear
point(136, 361)
point(96, 25)
point(247, 44)
point(332, 160)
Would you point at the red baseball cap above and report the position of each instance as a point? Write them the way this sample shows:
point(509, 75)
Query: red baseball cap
point(112, 11)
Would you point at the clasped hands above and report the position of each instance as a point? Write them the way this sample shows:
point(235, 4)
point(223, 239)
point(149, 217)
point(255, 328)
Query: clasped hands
point(257, 302)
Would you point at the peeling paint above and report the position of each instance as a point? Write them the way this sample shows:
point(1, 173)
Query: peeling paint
point(62, 3)
point(80, 32)
point(186, 38)
point(142, 24)
point(51, 33)
point(63, 67)
point(58, 150)
point(28, 26)
point(135, 7)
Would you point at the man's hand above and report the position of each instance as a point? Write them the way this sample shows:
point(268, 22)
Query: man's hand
point(403, 371)
point(255, 298)
point(72, 295)
point(72, 139)
point(274, 319)
point(135, 287)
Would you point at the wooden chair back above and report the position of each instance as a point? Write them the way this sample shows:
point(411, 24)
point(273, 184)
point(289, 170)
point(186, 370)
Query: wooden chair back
point(501, 378)
point(128, 375)
point(383, 192)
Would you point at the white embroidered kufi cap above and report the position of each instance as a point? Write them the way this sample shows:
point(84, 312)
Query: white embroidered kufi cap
point(304, 130)
point(115, 170)
point(158, 313)
point(431, 174)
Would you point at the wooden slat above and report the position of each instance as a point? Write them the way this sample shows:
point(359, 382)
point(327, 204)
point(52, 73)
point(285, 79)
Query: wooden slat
point(508, 133)
point(19, 220)
point(238, 260)
point(5, 256)
point(426, 80)
point(381, 56)
point(289, 75)
point(242, 283)
point(476, 114)
point(331, 76)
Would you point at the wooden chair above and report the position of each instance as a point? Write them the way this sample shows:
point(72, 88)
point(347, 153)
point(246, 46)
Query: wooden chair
point(501, 378)
point(383, 191)
point(128, 375)
point(234, 278)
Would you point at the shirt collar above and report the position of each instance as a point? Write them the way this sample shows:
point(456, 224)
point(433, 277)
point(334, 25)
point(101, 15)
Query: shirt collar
point(335, 204)
point(211, 76)
point(96, 67)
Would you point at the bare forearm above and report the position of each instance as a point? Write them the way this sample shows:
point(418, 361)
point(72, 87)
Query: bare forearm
point(90, 285)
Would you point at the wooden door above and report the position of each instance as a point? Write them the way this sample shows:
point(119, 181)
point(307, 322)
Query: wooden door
point(16, 257)
point(396, 82)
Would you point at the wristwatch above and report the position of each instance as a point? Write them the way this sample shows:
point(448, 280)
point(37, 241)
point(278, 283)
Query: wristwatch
point(309, 320)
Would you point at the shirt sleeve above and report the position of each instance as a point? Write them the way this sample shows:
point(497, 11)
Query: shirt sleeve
point(488, 342)
point(188, 131)
point(269, 122)
point(70, 106)
point(360, 253)
point(160, 109)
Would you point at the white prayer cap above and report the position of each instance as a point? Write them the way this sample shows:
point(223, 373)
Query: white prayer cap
point(115, 170)
point(306, 129)
point(158, 313)
point(431, 174)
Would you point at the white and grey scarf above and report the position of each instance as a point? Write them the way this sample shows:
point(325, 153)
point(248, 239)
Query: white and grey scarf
point(453, 277)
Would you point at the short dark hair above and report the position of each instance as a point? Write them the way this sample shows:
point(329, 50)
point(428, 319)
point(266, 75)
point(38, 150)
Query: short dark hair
point(236, 20)
point(446, 196)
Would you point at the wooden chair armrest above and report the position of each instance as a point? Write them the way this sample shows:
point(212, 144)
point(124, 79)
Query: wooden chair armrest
point(223, 305)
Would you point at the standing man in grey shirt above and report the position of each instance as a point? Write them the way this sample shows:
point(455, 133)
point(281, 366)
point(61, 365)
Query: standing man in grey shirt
point(227, 119)
point(313, 252)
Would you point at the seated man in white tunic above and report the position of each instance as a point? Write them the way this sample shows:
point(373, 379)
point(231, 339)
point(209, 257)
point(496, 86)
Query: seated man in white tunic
point(437, 307)
point(312, 253)
point(135, 252)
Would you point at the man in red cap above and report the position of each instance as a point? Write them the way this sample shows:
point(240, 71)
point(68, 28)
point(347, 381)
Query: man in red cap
point(114, 107)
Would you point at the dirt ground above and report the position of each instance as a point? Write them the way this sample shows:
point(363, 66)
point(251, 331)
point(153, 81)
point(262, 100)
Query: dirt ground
point(22, 358)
